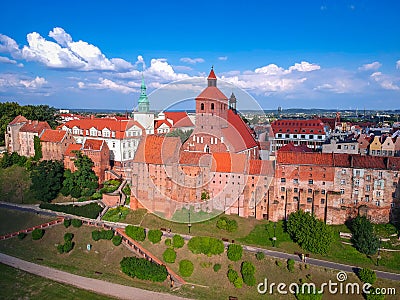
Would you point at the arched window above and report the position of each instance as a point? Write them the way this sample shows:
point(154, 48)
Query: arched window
point(212, 106)
point(202, 106)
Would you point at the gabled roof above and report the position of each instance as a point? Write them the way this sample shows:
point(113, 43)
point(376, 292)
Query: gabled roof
point(18, 119)
point(94, 145)
point(158, 123)
point(53, 136)
point(71, 148)
point(312, 126)
point(180, 118)
point(238, 134)
point(154, 149)
point(293, 148)
point(212, 93)
point(34, 127)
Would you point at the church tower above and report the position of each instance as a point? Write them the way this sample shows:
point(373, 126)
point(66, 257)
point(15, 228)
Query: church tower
point(143, 103)
point(232, 102)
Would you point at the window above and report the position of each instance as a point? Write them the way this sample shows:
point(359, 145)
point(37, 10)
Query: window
point(202, 106)
point(366, 198)
point(342, 191)
point(367, 188)
point(342, 181)
point(296, 190)
point(368, 178)
point(309, 199)
point(323, 192)
point(310, 181)
point(357, 172)
point(113, 144)
point(355, 192)
point(303, 136)
point(296, 199)
point(282, 189)
point(311, 136)
point(310, 191)
point(380, 174)
point(343, 171)
point(295, 180)
point(342, 201)
point(357, 182)
point(283, 180)
point(212, 106)
point(322, 201)
point(378, 203)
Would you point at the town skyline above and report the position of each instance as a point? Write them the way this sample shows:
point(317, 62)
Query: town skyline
point(319, 54)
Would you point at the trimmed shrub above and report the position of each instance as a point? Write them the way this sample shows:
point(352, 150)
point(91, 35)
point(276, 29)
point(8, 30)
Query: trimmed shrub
point(248, 269)
point(260, 255)
point(143, 269)
point(90, 210)
point(168, 242)
point(76, 223)
point(21, 235)
point(367, 275)
point(234, 252)
point(108, 234)
point(206, 245)
point(117, 240)
point(60, 248)
point(96, 235)
point(102, 234)
point(169, 255)
point(227, 224)
point(232, 275)
point(217, 267)
point(290, 264)
point(178, 241)
point(186, 268)
point(154, 236)
point(136, 232)
point(68, 246)
point(68, 236)
point(278, 263)
point(67, 223)
point(37, 234)
point(238, 282)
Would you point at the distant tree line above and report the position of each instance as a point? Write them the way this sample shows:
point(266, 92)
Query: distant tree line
point(9, 110)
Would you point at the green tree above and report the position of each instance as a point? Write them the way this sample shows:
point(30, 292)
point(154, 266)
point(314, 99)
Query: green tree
point(84, 177)
point(367, 275)
point(37, 234)
point(183, 135)
point(143, 269)
point(310, 233)
point(363, 236)
point(38, 148)
point(247, 269)
point(234, 252)
point(186, 268)
point(169, 255)
point(47, 177)
point(178, 241)
point(136, 232)
point(154, 235)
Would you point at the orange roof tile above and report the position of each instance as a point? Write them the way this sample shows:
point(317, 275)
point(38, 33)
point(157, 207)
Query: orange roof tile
point(53, 136)
point(313, 126)
point(154, 149)
point(226, 162)
point(293, 148)
point(71, 148)
point(91, 144)
point(212, 74)
point(180, 118)
point(18, 119)
point(35, 127)
point(212, 93)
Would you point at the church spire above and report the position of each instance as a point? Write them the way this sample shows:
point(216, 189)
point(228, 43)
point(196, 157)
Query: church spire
point(143, 103)
point(212, 79)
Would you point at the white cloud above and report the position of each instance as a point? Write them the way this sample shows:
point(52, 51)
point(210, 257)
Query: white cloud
point(34, 83)
point(372, 66)
point(304, 67)
point(64, 53)
point(159, 68)
point(398, 64)
point(192, 60)
point(385, 81)
point(183, 68)
point(140, 61)
point(223, 58)
point(6, 60)
point(270, 69)
point(107, 84)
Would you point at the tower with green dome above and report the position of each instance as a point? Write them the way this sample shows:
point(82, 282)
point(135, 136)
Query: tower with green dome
point(143, 103)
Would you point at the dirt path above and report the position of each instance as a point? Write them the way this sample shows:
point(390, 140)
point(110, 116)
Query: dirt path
point(95, 285)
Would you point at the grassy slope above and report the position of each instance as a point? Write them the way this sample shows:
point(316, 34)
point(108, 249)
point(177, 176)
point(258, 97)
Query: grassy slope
point(14, 185)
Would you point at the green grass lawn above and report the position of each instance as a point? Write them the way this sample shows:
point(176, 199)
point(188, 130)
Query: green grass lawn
point(12, 220)
point(14, 185)
point(17, 284)
point(116, 214)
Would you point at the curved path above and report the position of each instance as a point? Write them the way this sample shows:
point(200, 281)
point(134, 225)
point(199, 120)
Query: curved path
point(94, 285)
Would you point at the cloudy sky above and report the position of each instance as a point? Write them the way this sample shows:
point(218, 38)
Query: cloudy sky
point(304, 54)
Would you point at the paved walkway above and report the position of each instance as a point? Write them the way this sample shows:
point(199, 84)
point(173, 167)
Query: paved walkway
point(94, 285)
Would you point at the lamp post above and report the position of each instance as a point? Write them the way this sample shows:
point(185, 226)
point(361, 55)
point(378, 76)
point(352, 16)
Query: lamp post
point(274, 237)
point(189, 224)
point(379, 253)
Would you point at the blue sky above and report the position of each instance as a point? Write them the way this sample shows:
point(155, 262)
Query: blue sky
point(309, 54)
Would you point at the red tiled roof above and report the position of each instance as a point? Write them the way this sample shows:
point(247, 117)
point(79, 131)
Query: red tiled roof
point(212, 93)
point(394, 163)
point(212, 74)
point(158, 123)
point(293, 148)
point(18, 119)
point(238, 133)
point(313, 126)
point(154, 149)
point(91, 144)
point(71, 148)
point(180, 118)
point(34, 126)
point(261, 167)
point(226, 162)
point(54, 136)
point(118, 126)
point(194, 158)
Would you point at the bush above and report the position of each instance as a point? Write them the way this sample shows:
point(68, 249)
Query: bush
point(136, 232)
point(234, 252)
point(68, 246)
point(68, 236)
point(67, 223)
point(37, 234)
point(367, 275)
point(21, 235)
point(143, 269)
point(248, 269)
point(310, 233)
point(232, 275)
point(96, 235)
point(373, 295)
point(117, 240)
point(260, 255)
point(278, 263)
point(178, 241)
point(90, 210)
point(102, 235)
point(186, 268)
point(238, 282)
point(154, 236)
point(168, 242)
point(169, 255)
point(217, 267)
point(307, 295)
point(206, 245)
point(60, 248)
point(227, 224)
point(96, 196)
point(290, 264)
point(76, 223)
